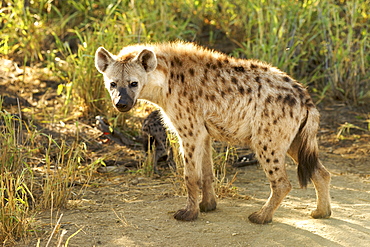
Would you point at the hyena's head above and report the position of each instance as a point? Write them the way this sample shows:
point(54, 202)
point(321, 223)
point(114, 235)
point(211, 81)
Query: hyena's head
point(125, 77)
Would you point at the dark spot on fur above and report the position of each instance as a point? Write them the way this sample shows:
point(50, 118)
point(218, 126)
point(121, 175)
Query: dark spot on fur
point(267, 160)
point(191, 71)
point(212, 97)
point(290, 100)
point(234, 80)
point(269, 99)
point(279, 97)
point(191, 133)
point(254, 66)
point(276, 161)
point(276, 169)
point(271, 172)
point(241, 90)
point(200, 92)
point(177, 61)
point(182, 77)
point(219, 64)
point(298, 87)
point(191, 99)
point(286, 78)
point(265, 148)
point(249, 90)
point(239, 69)
point(258, 79)
point(259, 90)
point(190, 155)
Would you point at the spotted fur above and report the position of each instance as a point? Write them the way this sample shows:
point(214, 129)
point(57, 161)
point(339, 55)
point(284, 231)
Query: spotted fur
point(154, 134)
point(207, 94)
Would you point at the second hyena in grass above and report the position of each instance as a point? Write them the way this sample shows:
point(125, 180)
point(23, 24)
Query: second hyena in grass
point(206, 94)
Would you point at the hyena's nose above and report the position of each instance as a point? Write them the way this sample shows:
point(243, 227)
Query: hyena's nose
point(121, 105)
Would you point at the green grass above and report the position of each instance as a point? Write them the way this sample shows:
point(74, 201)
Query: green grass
point(20, 192)
point(323, 44)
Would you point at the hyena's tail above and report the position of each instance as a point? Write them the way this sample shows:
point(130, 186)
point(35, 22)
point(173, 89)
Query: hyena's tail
point(307, 148)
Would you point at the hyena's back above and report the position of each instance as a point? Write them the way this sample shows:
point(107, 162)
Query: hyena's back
point(240, 101)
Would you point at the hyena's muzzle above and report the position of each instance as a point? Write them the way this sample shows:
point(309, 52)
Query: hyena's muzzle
point(122, 100)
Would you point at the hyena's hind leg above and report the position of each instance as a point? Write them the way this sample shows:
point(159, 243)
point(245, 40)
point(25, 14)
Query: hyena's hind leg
point(305, 153)
point(273, 163)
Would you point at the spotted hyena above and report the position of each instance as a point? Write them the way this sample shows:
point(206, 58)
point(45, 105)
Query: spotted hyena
point(154, 134)
point(207, 94)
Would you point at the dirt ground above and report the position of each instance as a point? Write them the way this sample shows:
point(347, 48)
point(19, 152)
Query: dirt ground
point(122, 209)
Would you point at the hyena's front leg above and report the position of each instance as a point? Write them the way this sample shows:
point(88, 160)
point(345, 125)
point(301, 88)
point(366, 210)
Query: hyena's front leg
point(208, 202)
point(280, 187)
point(193, 150)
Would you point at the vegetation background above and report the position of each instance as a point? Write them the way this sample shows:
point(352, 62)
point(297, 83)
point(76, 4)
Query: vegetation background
point(323, 44)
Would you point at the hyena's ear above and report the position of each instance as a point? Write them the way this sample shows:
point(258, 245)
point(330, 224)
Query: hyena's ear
point(103, 58)
point(148, 60)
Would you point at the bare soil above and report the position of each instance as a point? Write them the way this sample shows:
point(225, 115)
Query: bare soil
point(126, 209)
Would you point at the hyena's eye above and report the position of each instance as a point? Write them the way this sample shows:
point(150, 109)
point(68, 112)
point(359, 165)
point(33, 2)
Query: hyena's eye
point(134, 84)
point(113, 84)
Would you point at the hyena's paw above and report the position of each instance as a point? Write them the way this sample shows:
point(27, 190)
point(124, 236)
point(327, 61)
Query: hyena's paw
point(259, 218)
point(186, 214)
point(207, 206)
point(321, 214)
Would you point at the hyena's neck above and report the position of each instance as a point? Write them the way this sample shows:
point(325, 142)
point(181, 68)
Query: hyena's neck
point(153, 91)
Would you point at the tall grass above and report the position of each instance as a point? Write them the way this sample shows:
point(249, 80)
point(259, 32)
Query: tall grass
point(324, 44)
point(20, 193)
point(15, 177)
